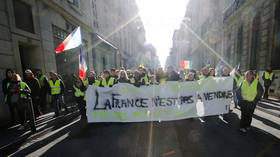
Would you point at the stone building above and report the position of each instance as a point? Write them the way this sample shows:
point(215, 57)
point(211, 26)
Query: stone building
point(252, 36)
point(30, 30)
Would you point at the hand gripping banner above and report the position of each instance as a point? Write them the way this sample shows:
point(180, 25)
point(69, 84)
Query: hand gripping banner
point(164, 102)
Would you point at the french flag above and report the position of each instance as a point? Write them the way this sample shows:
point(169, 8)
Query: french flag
point(72, 41)
point(82, 64)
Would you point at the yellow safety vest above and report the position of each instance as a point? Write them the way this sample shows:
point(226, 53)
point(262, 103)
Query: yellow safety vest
point(96, 83)
point(146, 79)
point(111, 81)
point(268, 75)
point(22, 86)
point(78, 92)
point(41, 80)
point(238, 80)
point(55, 87)
point(249, 92)
point(201, 77)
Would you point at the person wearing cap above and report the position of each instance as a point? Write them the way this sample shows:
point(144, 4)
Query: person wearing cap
point(248, 94)
point(35, 87)
point(268, 77)
point(56, 89)
point(107, 80)
point(44, 83)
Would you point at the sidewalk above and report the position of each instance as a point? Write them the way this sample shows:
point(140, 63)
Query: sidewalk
point(270, 106)
point(12, 138)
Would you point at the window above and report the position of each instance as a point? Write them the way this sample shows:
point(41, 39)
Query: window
point(239, 44)
point(255, 42)
point(23, 16)
point(74, 2)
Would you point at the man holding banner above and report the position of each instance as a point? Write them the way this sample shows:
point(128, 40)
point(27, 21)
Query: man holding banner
point(248, 94)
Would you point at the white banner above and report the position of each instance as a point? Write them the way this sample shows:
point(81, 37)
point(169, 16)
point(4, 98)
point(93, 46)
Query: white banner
point(164, 102)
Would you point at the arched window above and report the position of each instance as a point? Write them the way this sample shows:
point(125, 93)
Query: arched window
point(255, 41)
point(276, 52)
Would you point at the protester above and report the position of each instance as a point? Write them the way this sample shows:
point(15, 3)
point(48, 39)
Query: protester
point(212, 72)
point(248, 94)
point(160, 75)
point(56, 90)
point(123, 77)
point(190, 77)
point(17, 92)
point(172, 75)
point(268, 77)
point(154, 80)
point(114, 73)
point(9, 73)
point(35, 87)
point(237, 80)
point(79, 93)
point(44, 83)
point(225, 72)
point(143, 75)
point(137, 81)
point(107, 81)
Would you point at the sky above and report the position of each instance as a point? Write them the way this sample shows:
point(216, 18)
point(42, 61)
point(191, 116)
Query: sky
point(161, 18)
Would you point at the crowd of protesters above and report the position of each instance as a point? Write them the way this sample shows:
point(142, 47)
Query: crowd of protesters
point(36, 86)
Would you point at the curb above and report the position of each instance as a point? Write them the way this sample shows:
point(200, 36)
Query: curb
point(57, 123)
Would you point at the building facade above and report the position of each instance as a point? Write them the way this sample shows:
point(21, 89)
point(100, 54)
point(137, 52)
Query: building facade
point(252, 36)
point(30, 30)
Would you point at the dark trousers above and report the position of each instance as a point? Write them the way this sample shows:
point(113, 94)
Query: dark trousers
point(82, 106)
point(21, 110)
point(36, 103)
point(43, 101)
point(247, 111)
point(57, 102)
point(265, 96)
point(12, 108)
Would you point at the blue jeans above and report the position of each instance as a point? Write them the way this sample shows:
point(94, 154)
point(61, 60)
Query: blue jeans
point(57, 102)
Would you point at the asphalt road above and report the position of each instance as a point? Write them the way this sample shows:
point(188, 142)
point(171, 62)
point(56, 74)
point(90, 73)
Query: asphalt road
point(209, 136)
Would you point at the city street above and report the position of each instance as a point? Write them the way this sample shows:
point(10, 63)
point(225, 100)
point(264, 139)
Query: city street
point(210, 136)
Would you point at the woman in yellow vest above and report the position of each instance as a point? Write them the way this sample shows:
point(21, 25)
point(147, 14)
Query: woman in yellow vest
point(107, 81)
point(248, 94)
point(17, 96)
point(57, 90)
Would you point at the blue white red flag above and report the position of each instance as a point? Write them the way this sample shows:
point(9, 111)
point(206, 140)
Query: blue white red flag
point(73, 40)
point(82, 64)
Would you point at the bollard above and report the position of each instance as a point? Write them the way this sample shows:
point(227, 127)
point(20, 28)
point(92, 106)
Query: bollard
point(31, 115)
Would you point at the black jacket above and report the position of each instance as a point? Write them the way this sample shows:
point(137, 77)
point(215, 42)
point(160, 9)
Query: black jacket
point(123, 80)
point(34, 86)
point(5, 82)
point(173, 76)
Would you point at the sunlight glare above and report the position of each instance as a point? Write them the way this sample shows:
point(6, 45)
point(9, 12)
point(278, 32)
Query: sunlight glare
point(161, 18)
